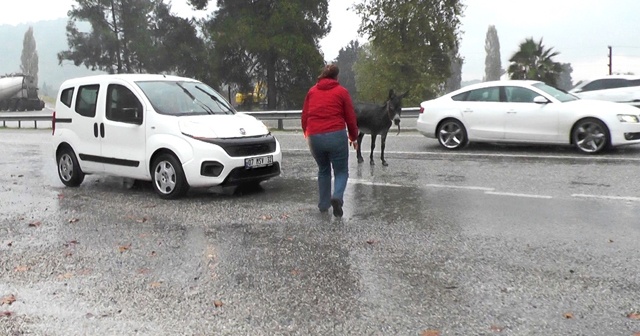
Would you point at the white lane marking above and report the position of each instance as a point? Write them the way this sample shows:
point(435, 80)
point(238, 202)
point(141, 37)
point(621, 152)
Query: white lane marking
point(617, 198)
point(517, 195)
point(524, 156)
point(357, 181)
point(459, 187)
point(365, 182)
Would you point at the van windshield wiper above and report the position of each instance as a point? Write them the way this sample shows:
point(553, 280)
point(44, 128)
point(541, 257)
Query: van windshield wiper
point(203, 105)
point(218, 101)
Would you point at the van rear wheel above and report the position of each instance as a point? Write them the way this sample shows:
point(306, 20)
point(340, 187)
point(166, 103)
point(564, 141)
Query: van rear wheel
point(168, 177)
point(68, 168)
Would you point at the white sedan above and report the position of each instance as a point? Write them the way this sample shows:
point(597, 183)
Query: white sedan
point(524, 111)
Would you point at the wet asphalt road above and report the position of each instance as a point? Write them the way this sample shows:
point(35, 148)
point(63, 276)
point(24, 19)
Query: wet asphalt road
point(493, 240)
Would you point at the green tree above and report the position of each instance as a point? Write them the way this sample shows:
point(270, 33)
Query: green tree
point(29, 57)
point(346, 59)
point(565, 82)
point(455, 79)
point(272, 41)
point(534, 61)
point(492, 62)
point(129, 36)
point(411, 46)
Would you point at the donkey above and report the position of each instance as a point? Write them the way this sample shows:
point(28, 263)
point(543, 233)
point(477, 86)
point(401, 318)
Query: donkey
point(377, 120)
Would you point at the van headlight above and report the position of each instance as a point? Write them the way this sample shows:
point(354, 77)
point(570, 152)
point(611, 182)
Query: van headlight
point(196, 130)
point(628, 118)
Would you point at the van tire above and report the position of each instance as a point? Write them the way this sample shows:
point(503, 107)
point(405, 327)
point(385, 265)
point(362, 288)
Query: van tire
point(168, 177)
point(69, 169)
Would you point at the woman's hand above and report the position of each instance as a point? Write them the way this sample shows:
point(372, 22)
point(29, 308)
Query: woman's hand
point(354, 144)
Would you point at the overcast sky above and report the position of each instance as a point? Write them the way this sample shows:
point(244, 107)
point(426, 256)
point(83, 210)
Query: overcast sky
point(581, 30)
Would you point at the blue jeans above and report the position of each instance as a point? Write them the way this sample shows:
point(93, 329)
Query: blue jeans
point(330, 150)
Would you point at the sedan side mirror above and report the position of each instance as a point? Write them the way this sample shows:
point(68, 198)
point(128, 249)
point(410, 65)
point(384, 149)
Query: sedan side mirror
point(540, 100)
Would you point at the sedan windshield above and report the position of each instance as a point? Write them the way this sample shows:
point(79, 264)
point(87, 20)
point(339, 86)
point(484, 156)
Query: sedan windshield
point(556, 93)
point(184, 98)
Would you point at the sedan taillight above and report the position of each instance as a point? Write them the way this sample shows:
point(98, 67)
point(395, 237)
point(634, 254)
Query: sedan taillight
point(421, 109)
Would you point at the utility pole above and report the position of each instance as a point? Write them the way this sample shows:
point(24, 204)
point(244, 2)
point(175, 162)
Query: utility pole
point(610, 61)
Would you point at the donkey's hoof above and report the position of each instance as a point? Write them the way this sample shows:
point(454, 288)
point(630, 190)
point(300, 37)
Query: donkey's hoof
point(384, 163)
point(360, 160)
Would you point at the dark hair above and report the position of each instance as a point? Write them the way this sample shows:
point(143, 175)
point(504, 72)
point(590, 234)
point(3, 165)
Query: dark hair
point(330, 71)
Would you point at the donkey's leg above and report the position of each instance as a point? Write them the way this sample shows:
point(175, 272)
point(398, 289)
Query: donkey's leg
point(358, 151)
point(383, 141)
point(373, 146)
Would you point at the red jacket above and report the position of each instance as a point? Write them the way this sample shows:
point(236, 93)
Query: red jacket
point(327, 108)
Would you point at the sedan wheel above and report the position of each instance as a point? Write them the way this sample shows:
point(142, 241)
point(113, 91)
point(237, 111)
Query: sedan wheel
point(168, 177)
point(590, 136)
point(452, 134)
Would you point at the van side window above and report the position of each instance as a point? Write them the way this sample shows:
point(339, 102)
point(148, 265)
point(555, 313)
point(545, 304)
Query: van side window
point(87, 99)
point(66, 96)
point(123, 105)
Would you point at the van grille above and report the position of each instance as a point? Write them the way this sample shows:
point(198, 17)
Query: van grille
point(249, 146)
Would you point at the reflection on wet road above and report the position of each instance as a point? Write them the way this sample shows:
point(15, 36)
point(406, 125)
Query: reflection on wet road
point(446, 243)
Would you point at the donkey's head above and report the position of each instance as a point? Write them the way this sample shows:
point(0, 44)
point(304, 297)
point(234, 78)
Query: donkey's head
point(394, 107)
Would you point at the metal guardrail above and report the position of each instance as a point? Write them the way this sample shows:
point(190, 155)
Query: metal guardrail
point(280, 116)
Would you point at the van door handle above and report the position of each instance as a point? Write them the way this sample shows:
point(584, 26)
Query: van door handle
point(95, 130)
point(511, 112)
point(467, 110)
point(102, 130)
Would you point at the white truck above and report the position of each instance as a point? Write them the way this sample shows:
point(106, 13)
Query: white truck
point(19, 92)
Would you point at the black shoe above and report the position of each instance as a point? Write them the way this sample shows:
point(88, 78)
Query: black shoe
point(337, 207)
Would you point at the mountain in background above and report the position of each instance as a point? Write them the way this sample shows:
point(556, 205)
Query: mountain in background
point(51, 38)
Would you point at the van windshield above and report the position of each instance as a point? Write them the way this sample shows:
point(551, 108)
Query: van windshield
point(182, 98)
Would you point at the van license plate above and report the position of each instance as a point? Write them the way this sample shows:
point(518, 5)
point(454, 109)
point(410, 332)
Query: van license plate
point(260, 161)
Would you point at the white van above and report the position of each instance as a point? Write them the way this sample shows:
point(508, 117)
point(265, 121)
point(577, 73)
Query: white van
point(176, 132)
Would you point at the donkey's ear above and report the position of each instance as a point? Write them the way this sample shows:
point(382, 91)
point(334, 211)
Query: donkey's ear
point(391, 94)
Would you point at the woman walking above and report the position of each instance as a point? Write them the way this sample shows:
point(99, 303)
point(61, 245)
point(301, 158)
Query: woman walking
point(327, 110)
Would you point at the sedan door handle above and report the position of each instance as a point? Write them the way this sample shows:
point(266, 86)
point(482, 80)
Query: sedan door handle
point(467, 110)
point(511, 112)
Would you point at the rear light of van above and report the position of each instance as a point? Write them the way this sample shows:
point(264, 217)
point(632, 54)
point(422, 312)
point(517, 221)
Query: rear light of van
point(421, 110)
point(53, 123)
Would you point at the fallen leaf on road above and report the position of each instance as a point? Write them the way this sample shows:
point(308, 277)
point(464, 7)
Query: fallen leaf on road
point(284, 216)
point(35, 224)
point(71, 243)
point(156, 284)
point(60, 196)
point(73, 220)
point(7, 300)
point(496, 328)
point(143, 271)
point(637, 334)
point(10, 243)
point(430, 333)
point(65, 276)
point(217, 303)
point(6, 313)
point(611, 240)
point(634, 315)
point(371, 241)
point(567, 315)
point(141, 220)
point(295, 272)
point(124, 248)
point(22, 268)
point(266, 217)
point(153, 253)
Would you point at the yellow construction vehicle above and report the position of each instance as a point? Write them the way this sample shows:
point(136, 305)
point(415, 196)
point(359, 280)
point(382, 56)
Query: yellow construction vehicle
point(249, 100)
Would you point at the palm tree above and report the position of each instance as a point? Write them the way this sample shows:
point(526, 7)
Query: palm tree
point(534, 61)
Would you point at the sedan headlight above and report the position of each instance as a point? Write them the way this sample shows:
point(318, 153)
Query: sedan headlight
point(628, 118)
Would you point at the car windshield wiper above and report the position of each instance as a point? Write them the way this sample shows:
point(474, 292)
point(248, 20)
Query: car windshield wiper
point(218, 101)
point(203, 105)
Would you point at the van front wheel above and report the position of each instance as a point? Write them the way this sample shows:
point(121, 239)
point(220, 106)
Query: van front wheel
point(168, 177)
